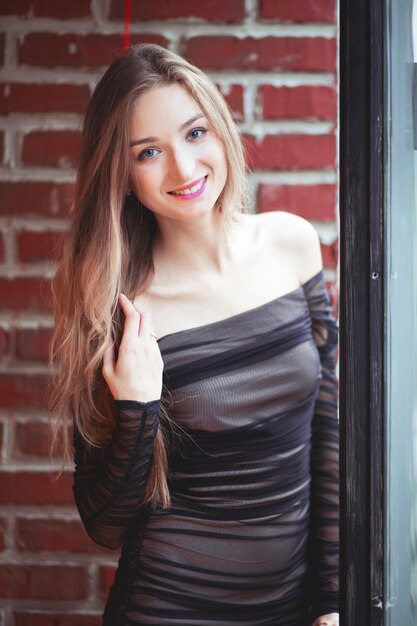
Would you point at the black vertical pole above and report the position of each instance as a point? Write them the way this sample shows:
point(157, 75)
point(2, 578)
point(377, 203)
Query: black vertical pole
point(362, 311)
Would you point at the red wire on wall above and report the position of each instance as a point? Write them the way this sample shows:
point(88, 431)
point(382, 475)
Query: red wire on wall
point(126, 34)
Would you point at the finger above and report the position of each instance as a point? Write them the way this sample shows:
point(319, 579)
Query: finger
point(145, 329)
point(132, 318)
point(108, 356)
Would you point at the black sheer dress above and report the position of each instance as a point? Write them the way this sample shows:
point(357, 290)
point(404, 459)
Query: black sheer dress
point(251, 538)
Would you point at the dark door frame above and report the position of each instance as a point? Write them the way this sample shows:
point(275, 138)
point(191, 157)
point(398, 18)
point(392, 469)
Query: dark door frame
point(362, 311)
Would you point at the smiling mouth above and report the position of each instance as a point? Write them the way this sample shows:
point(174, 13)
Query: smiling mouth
point(190, 190)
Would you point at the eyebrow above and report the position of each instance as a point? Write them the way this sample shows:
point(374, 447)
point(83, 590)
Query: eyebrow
point(136, 142)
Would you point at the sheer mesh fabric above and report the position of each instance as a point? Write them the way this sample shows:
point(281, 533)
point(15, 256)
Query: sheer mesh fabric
point(251, 537)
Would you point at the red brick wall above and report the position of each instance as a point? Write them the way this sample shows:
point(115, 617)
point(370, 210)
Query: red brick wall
point(275, 61)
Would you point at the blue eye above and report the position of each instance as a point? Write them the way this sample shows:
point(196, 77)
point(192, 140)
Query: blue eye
point(144, 155)
point(195, 134)
point(203, 131)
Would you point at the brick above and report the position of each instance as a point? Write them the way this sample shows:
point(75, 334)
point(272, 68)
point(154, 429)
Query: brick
point(313, 102)
point(4, 342)
point(107, 573)
point(71, 50)
point(26, 487)
point(2, 250)
point(32, 439)
point(38, 246)
point(21, 391)
point(234, 98)
point(322, 11)
point(41, 582)
point(27, 98)
point(1, 436)
point(1, 147)
point(56, 148)
point(291, 152)
point(329, 255)
point(2, 44)
point(46, 8)
point(213, 10)
point(3, 527)
point(39, 199)
point(33, 344)
point(308, 54)
point(40, 618)
point(37, 535)
point(25, 293)
point(313, 202)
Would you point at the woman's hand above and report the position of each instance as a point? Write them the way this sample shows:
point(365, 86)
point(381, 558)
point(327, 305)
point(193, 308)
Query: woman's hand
point(137, 375)
point(331, 619)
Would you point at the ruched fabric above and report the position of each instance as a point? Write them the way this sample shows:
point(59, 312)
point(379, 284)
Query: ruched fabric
point(251, 537)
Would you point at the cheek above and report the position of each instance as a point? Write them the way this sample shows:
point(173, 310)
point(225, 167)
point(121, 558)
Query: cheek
point(220, 156)
point(222, 163)
point(144, 183)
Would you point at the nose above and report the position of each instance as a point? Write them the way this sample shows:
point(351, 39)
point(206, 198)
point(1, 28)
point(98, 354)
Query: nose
point(182, 165)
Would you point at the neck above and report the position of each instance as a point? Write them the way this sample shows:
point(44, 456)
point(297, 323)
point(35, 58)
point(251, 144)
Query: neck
point(196, 246)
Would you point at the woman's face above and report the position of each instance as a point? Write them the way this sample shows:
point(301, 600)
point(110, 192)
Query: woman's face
point(174, 150)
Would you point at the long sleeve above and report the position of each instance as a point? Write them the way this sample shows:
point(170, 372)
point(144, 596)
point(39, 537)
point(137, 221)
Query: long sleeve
point(109, 483)
point(324, 456)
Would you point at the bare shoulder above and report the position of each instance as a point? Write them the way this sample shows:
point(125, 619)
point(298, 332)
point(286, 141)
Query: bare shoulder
point(298, 238)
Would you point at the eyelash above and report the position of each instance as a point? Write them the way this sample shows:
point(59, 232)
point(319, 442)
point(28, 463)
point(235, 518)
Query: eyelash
point(142, 157)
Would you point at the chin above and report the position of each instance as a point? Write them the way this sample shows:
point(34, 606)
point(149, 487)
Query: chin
point(197, 213)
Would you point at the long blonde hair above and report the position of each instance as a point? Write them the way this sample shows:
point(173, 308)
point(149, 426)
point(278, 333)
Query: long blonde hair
point(108, 248)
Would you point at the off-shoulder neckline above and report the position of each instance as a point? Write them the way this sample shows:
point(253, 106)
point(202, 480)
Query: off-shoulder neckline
point(243, 313)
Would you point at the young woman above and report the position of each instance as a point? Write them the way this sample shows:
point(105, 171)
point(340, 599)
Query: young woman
point(195, 350)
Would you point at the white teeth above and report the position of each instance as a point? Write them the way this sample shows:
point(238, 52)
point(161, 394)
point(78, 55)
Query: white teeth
point(187, 192)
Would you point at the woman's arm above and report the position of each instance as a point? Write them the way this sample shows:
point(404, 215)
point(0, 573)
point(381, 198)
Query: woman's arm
point(304, 245)
point(109, 484)
point(325, 478)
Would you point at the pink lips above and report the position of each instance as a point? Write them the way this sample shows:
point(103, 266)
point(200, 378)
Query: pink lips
point(190, 196)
